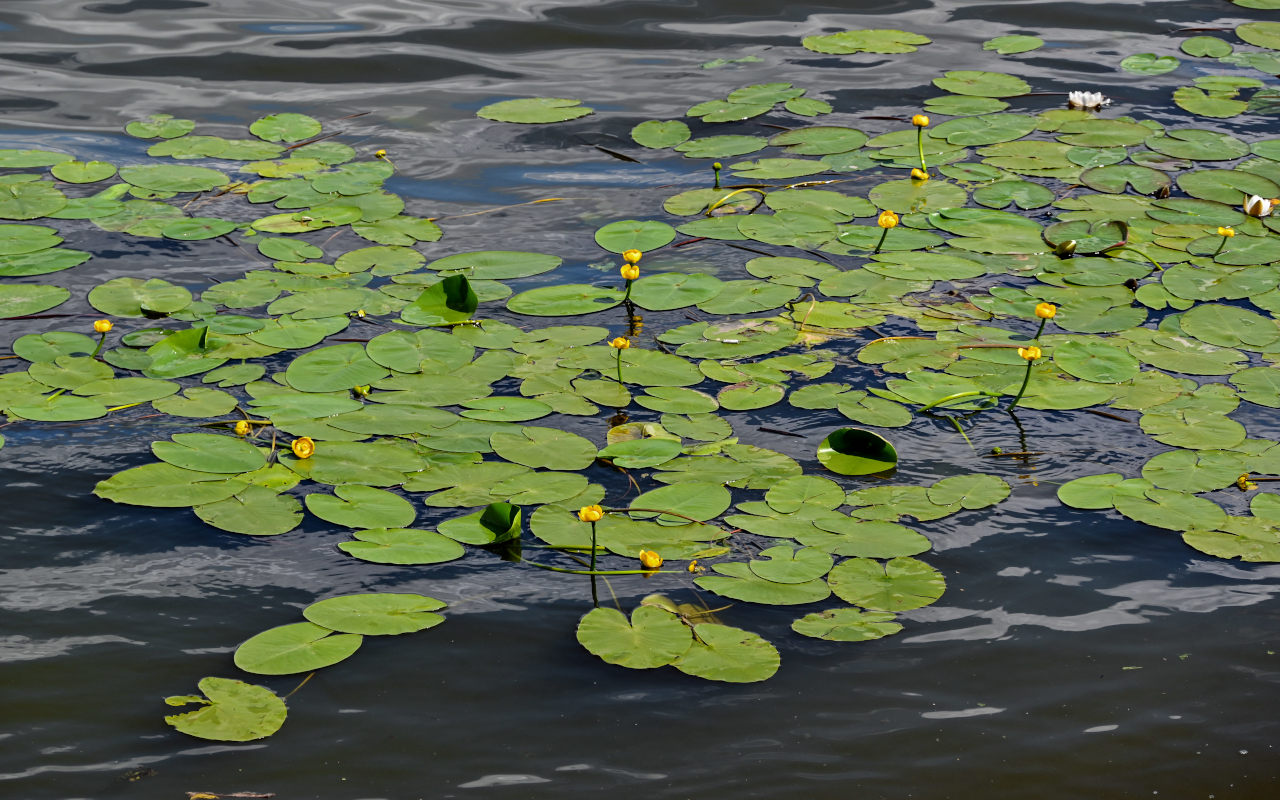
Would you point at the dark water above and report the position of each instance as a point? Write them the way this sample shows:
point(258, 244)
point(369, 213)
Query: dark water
point(1074, 655)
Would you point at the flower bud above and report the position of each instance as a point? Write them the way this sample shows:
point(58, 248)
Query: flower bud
point(920, 121)
point(629, 272)
point(242, 428)
point(632, 256)
point(591, 513)
point(103, 325)
point(650, 559)
point(1046, 310)
point(887, 219)
point(918, 174)
point(1031, 353)
point(621, 343)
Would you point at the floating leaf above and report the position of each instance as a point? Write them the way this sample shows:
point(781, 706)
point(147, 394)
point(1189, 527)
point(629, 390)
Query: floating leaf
point(652, 637)
point(873, 40)
point(402, 546)
point(847, 625)
point(1013, 43)
point(379, 614)
point(534, 110)
point(289, 649)
point(900, 584)
point(285, 127)
point(1149, 64)
point(853, 451)
point(723, 653)
point(234, 711)
point(658, 134)
point(981, 84)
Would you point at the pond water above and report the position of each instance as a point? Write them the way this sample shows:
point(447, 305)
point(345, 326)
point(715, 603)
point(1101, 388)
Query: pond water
point(1075, 653)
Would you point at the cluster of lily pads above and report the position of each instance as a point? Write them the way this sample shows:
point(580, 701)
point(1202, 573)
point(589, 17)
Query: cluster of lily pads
point(1119, 225)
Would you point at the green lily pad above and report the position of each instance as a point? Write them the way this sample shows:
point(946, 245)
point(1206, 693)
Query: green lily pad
point(289, 649)
point(847, 625)
point(382, 614)
point(209, 452)
point(253, 511)
point(1011, 44)
point(982, 84)
point(723, 653)
point(660, 134)
point(402, 546)
point(285, 127)
point(853, 451)
point(900, 584)
point(230, 711)
point(873, 40)
point(652, 637)
point(1149, 64)
point(19, 300)
point(362, 507)
point(535, 110)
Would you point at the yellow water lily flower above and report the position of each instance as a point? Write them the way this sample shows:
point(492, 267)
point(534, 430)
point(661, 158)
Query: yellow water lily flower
point(920, 121)
point(650, 559)
point(1031, 353)
point(380, 154)
point(242, 428)
point(631, 256)
point(1227, 232)
point(918, 174)
point(621, 343)
point(303, 447)
point(1046, 310)
point(103, 325)
point(630, 272)
point(887, 219)
point(591, 513)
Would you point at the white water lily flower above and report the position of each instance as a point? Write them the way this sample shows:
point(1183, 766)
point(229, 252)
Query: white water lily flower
point(1256, 206)
point(1087, 100)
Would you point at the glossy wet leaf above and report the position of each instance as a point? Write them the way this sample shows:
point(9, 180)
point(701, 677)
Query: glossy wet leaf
point(853, 451)
point(135, 297)
point(1165, 508)
point(289, 649)
point(380, 614)
point(1095, 361)
point(698, 500)
point(1013, 43)
point(982, 84)
point(546, 448)
point(231, 711)
point(285, 127)
point(333, 368)
point(167, 486)
point(969, 491)
point(652, 637)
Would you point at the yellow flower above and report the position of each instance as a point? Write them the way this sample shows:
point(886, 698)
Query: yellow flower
point(380, 154)
point(630, 271)
point(887, 219)
point(693, 566)
point(1031, 353)
point(920, 121)
point(1046, 310)
point(650, 559)
point(621, 343)
point(103, 325)
point(1227, 232)
point(918, 174)
point(242, 428)
point(631, 256)
point(1244, 484)
point(303, 447)
point(591, 513)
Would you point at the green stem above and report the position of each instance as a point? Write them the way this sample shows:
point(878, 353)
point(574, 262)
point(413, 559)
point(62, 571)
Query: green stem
point(595, 600)
point(1154, 263)
point(626, 298)
point(596, 572)
point(957, 396)
point(959, 429)
point(920, 147)
point(715, 168)
point(1025, 380)
point(1221, 245)
point(1040, 330)
point(98, 349)
point(883, 233)
point(620, 383)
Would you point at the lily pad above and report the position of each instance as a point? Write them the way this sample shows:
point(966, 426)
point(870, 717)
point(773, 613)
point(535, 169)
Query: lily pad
point(289, 649)
point(535, 110)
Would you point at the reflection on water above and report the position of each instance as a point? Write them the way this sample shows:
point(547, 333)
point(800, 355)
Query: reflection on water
point(1075, 654)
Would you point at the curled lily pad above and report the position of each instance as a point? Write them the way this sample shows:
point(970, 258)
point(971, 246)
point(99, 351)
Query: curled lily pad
point(853, 451)
point(847, 625)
